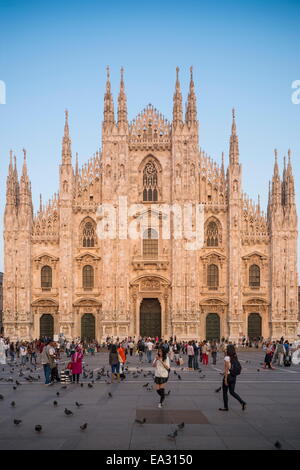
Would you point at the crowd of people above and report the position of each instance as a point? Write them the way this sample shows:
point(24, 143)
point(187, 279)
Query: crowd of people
point(155, 351)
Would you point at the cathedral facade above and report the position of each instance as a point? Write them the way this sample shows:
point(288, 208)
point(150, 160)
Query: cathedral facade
point(62, 277)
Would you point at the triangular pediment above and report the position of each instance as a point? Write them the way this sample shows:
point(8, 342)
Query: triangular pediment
point(44, 256)
point(87, 254)
point(212, 254)
point(255, 253)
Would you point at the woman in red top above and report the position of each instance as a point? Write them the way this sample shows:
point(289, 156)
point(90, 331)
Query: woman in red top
point(76, 364)
point(122, 359)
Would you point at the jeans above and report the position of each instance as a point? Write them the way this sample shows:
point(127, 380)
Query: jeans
point(141, 355)
point(33, 357)
point(196, 366)
point(23, 360)
point(75, 376)
point(131, 351)
point(214, 357)
point(190, 363)
point(47, 372)
point(149, 356)
point(231, 385)
point(12, 356)
point(115, 368)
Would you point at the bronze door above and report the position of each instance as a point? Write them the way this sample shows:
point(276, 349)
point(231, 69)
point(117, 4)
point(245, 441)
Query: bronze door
point(150, 318)
point(46, 326)
point(212, 326)
point(88, 330)
point(254, 325)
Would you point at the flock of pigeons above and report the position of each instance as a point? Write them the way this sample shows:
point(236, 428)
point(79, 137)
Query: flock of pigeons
point(102, 374)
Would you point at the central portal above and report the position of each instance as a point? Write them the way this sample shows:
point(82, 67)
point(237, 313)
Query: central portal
point(150, 318)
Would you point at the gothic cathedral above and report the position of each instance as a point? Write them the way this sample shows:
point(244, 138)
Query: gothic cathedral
point(61, 277)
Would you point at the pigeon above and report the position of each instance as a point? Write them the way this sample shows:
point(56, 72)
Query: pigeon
point(68, 412)
point(64, 387)
point(38, 428)
point(181, 425)
point(78, 404)
point(81, 385)
point(277, 445)
point(55, 403)
point(1, 397)
point(57, 394)
point(14, 387)
point(168, 393)
point(146, 385)
point(90, 385)
point(258, 370)
point(173, 435)
point(83, 427)
point(17, 383)
point(140, 421)
point(175, 373)
point(218, 389)
point(17, 421)
point(13, 403)
point(202, 376)
point(179, 377)
point(110, 395)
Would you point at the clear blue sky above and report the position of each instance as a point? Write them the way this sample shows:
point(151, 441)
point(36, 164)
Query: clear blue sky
point(53, 56)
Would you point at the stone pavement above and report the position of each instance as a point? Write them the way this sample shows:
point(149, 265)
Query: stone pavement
point(272, 414)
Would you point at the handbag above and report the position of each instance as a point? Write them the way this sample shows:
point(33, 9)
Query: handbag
point(69, 366)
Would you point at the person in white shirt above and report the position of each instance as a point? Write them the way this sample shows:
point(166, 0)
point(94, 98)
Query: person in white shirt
point(149, 345)
point(162, 368)
point(23, 353)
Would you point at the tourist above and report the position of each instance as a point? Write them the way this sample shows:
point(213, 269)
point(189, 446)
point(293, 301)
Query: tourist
point(214, 350)
point(131, 346)
point(280, 353)
point(12, 352)
point(45, 359)
point(76, 364)
point(196, 352)
point(204, 353)
point(122, 360)
point(190, 353)
point(2, 351)
point(23, 354)
point(149, 347)
point(53, 362)
point(162, 369)
point(114, 363)
point(232, 368)
point(268, 357)
point(140, 349)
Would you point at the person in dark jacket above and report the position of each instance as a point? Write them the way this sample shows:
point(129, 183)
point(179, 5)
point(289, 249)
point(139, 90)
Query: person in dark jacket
point(114, 363)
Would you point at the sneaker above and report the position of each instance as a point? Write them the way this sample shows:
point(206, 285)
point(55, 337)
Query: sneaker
point(244, 406)
point(159, 405)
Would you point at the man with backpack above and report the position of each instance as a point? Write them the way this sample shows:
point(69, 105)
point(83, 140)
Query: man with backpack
point(232, 368)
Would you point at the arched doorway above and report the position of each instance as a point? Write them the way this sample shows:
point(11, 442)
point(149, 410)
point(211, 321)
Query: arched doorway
point(88, 329)
point(150, 318)
point(46, 326)
point(254, 325)
point(212, 326)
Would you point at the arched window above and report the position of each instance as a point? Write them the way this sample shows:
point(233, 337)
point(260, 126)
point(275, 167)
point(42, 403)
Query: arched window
point(46, 277)
point(254, 276)
point(212, 234)
point(150, 182)
point(212, 276)
point(88, 277)
point(150, 243)
point(88, 236)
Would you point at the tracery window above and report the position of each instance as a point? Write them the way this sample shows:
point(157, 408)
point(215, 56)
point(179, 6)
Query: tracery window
point(150, 182)
point(89, 236)
point(88, 277)
point(46, 277)
point(212, 234)
point(212, 276)
point(254, 276)
point(150, 244)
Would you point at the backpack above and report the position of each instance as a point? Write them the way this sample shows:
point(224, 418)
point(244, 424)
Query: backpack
point(235, 368)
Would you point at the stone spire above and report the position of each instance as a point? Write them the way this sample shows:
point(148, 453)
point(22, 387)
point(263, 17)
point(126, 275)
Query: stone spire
point(289, 184)
point(109, 116)
point(66, 143)
point(276, 194)
point(191, 109)
point(11, 184)
point(25, 186)
point(177, 102)
point(122, 102)
point(234, 143)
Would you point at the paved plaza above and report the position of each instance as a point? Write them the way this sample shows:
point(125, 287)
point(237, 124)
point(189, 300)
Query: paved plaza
point(272, 413)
